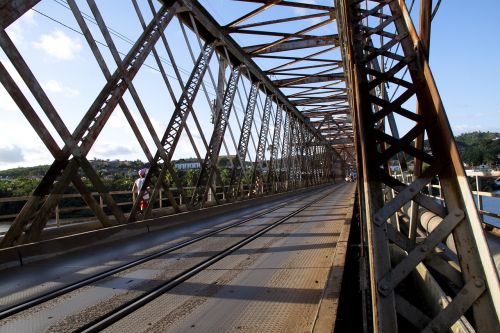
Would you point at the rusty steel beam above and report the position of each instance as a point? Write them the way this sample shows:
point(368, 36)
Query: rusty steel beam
point(11, 10)
point(253, 13)
point(302, 102)
point(271, 22)
point(306, 79)
point(221, 122)
point(295, 4)
point(239, 165)
point(292, 45)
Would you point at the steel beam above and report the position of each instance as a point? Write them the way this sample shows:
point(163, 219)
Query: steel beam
point(293, 45)
point(177, 122)
point(212, 156)
point(261, 148)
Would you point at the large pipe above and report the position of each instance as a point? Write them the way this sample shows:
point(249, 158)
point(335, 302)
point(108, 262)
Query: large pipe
point(428, 221)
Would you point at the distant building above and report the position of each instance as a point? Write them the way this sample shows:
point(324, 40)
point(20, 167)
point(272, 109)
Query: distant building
point(483, 167)
point(187, 165)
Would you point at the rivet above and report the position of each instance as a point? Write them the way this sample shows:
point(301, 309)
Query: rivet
point(458, 214)
point(478, 283)
point(435, 328)
point(424, 248)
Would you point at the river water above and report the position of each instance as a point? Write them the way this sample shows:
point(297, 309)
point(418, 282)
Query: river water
point(491, 204)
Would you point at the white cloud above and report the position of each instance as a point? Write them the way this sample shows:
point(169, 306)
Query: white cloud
point(58, 45)
point(16, 34)
point(11, 154)
point(56, 87)
point(112, 150)
point(17, 29)
point(299, 11)
point(6, 102)
point(466, 128)
point(28, 18)
point(117, 119)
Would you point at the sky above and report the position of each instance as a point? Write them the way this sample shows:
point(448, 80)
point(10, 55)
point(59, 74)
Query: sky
point(464, 57)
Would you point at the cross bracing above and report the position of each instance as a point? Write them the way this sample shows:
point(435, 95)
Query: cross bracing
point(292, 92)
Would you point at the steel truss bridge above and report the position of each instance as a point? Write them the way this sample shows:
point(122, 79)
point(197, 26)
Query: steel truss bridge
point(296, 93)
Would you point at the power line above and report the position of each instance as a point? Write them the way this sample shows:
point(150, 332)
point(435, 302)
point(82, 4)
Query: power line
point(122, 37)
point(117, 34)
point(98, 42)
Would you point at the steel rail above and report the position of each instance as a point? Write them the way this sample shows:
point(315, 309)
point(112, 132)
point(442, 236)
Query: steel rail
point(12, 310)
point(138, 302)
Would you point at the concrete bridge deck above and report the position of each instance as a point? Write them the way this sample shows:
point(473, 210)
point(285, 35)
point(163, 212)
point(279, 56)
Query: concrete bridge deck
point(288, 278)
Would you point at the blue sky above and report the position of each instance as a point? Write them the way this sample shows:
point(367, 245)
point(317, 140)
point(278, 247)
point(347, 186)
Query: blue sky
point(465, 50)
point(465, 54)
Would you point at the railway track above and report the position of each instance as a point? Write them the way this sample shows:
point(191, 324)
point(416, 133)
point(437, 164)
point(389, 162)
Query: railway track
point(129, 306)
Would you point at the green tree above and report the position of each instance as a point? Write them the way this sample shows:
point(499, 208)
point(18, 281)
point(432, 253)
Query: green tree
point(191, 177)
point(225, 176)
point(479, 147)
point(224, 162)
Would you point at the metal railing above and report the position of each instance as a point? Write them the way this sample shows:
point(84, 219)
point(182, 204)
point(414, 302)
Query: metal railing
point(57, 218)
point(434, 191)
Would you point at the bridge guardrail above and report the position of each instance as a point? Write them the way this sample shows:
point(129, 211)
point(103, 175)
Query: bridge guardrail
point(57, 220)
point(479, 195)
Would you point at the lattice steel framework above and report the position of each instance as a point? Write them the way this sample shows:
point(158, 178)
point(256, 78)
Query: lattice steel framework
point(380, 46)
point(201, 32)
point(330, 92)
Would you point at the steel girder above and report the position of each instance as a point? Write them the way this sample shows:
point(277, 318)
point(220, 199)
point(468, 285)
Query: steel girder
point(221, 122)
point(239, 164)
point(257, 171)
point(273, 171)
point(285, 151)
point(176, 125)
point(375, 31)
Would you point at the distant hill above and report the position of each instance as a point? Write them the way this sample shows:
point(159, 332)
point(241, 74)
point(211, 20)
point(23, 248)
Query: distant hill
point(479, 147)
point(475, 148)
point(105, 168)
point(30, 172)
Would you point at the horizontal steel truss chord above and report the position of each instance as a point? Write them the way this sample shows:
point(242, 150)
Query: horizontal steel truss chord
point(177, 122)
point(212, 155)
point(480, 291)
point(33, 217)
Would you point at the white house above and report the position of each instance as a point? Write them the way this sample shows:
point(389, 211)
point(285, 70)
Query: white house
point(187, 165)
